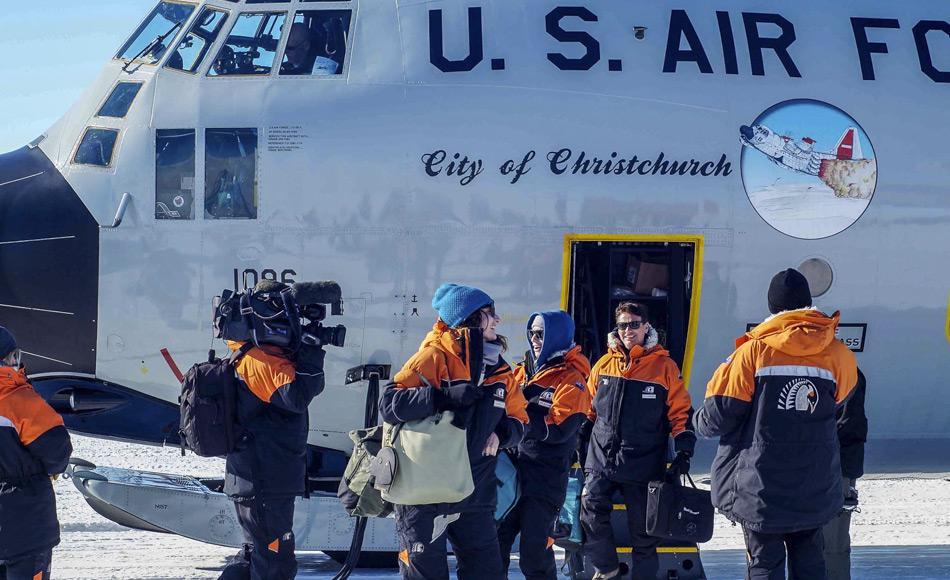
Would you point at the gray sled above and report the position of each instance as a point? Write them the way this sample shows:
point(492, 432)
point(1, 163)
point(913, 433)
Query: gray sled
point(183, 505)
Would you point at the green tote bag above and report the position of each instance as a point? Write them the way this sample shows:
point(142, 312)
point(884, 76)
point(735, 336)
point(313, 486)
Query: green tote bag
point(430, 462)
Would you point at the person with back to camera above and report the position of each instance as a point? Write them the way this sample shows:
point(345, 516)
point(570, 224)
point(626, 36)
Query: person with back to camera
point(34, 449)
point(553, 378)
point(267, 469)
point(458, 368)
point(772, 404)
point(639, 401)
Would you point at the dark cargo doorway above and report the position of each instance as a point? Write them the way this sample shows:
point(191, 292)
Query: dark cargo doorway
point(656, 271)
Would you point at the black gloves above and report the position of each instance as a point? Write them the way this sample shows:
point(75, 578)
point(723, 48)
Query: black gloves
point(850, 496)
point(678, 467)
point(456, 397)
point(683, 444)
point(311, 357)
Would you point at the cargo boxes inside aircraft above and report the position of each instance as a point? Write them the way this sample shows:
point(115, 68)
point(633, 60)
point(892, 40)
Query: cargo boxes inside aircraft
point(644, 277)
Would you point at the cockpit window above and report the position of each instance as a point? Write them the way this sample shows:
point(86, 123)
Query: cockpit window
point(317, 43)
point(175, 174)
point(151, 40)
point(231, 174)
point(252, 45)
point(96, 147)
point(118, 103)
point(194, 46)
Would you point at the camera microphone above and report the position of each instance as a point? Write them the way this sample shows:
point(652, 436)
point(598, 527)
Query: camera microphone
point(325, 292)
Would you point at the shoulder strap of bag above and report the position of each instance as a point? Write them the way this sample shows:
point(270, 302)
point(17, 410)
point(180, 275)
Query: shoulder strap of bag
point(690, 479)
point(239, 353)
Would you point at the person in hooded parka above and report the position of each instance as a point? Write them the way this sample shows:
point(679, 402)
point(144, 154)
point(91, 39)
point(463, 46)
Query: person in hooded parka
point(553, 378)
point(34, 448)
point(639, 402)
point(773, 406)
point(459, 367)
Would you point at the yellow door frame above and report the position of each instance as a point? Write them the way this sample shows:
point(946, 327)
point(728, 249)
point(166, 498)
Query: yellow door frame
point(696, 239)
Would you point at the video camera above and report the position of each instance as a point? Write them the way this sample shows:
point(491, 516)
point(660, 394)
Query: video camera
point(276, 314)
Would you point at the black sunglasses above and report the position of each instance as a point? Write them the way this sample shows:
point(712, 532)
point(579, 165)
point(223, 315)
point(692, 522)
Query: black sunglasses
point(621, 326)
point(536, 333)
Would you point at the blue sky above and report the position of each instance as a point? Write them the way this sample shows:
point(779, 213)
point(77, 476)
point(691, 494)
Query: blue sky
point(822, 123)
point(52, 51)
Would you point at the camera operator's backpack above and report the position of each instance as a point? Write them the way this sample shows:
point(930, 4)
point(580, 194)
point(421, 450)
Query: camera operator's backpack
point(208, 405)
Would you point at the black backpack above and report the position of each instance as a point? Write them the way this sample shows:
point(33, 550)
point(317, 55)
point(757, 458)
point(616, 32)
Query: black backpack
point(208, 404)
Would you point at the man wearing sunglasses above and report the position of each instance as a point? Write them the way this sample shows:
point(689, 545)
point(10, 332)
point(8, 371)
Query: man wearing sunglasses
point(639, 402)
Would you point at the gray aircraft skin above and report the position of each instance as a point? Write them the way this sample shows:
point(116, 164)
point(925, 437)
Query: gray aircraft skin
point(490, 143)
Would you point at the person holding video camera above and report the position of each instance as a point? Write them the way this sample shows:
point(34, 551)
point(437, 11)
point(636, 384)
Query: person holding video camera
point(267, 470)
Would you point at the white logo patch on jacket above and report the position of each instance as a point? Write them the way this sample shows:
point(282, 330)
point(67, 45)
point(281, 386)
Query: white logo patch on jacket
point(546, 398)
point(798, 395)
point(500, 397)
point(649, 392)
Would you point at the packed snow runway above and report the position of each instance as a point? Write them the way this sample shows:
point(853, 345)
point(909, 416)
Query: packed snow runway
point(903, 530)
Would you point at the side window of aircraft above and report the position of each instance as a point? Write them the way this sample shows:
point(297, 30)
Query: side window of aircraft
point(175, 174)
point(119, 101)
point(252, 45)
point(194, 46)
point(96, 147)
point(230, 174)
point(151, 40)
point(317, 43)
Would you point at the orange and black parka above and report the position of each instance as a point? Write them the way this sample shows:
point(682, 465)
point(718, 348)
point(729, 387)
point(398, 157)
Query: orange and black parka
point(555, 385)
point(270, 459)
point(34, 445)
point(773, 404)
point(639, 402)
point(450, 356)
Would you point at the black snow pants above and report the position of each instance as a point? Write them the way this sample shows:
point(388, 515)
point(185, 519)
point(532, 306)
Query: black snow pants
point(599, 544)
point(268, 531)
point(32, 567)
point(534, 519)
point(422, 534)
point(767, 555)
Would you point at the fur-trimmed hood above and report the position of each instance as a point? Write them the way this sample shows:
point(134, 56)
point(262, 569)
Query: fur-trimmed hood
point(652, 339)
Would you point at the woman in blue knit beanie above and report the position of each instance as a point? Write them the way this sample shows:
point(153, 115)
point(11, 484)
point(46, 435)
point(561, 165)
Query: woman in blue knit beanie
point(458, 368)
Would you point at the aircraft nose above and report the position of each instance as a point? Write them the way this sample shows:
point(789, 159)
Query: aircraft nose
point(49, 265)
point(746, 132)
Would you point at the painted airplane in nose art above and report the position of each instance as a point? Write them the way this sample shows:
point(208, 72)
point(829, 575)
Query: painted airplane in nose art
point(800, 155)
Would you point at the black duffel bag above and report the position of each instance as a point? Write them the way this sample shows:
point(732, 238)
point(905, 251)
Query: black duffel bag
point(677, 512)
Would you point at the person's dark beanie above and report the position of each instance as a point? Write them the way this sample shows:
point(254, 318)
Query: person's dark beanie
point(788, 291)
point(7, 342)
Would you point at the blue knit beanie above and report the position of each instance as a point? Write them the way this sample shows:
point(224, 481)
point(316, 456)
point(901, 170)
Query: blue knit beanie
point(7, 342)
point(455, 303)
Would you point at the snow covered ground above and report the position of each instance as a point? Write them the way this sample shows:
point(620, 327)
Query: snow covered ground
point(904, 523)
